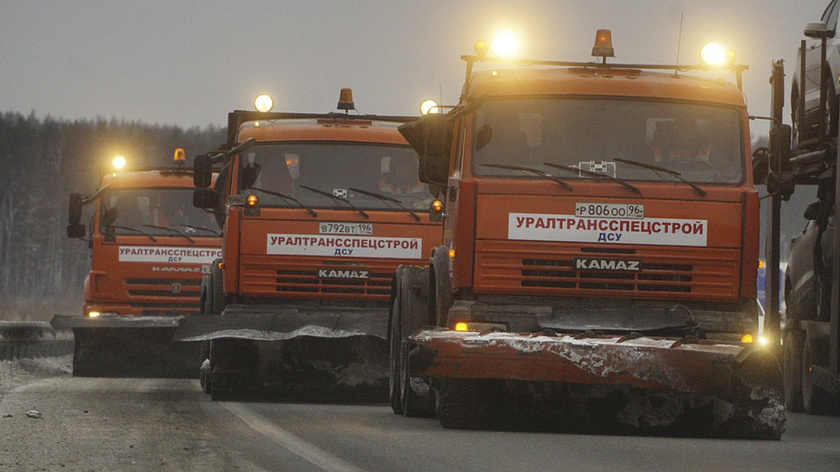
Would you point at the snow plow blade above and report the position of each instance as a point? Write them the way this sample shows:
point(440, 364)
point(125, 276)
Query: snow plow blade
point(302, 353)
point(129, 347)
point(624, 384)
point(272, 323)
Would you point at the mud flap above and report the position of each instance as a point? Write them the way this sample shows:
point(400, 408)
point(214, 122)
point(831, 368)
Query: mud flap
point(603, 384)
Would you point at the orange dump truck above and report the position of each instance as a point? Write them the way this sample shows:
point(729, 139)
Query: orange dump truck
point(150, 247)
point(599, 259)
point(319, 211)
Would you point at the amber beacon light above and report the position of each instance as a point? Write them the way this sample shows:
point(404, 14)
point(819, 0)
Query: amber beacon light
point(603, 47)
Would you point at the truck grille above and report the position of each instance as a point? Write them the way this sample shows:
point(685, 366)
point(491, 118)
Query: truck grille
point(563, 274)
point(657, 272)
point(298, 277)
point(308, 282)
point(168, 288)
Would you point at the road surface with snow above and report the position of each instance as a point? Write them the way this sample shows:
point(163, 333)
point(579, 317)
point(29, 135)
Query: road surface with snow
point(150, 424)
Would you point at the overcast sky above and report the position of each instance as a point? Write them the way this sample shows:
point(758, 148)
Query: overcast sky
point(190, 62)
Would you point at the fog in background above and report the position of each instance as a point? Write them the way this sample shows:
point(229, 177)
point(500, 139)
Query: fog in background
point(188, 63)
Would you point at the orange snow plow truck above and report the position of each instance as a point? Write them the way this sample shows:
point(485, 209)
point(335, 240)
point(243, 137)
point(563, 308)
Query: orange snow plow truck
point(599, 260)
point(319, 211)
point(150, 247)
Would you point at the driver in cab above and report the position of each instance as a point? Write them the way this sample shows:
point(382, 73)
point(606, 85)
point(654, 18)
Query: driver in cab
point(680, 140)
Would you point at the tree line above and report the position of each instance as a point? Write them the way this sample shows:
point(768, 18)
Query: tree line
point(45, 159)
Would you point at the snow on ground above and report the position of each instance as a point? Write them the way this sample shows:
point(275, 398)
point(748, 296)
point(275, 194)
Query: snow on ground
point(21, 371)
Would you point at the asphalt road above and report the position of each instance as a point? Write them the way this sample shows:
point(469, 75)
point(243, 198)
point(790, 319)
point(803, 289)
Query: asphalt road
point(129, 424)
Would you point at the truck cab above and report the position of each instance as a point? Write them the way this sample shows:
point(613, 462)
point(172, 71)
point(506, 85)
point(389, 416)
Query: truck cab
point(150, 246)
point(604, 197)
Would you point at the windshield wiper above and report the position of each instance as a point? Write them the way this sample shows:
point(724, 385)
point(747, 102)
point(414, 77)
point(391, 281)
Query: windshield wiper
point(127, 228)
point(386, 198)
point(663, 169)
point(529, 170)
point(211, 231)
point(340, 199)
point(599, 175)
point(171, 230)
point(286, 197)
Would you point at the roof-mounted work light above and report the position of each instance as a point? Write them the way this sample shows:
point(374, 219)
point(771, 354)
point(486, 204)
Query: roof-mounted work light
point(429, 106)
point(264, 103)
point(505, 45)
point(716, 55)
point(118, 162)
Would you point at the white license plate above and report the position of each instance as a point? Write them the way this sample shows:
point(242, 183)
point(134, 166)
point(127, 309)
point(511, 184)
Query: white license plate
point(632, 211)
point(345, 228)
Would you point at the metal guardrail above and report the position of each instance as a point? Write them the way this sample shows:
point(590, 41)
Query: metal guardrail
point(27, 339)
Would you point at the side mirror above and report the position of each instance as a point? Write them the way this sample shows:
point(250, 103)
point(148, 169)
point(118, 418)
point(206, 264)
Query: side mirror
point(818, 30)
point(782, 183)
point(249, 175)
point(780, 139)
point(75, 231)
point(202, 171)
point(75, 213)
point(205, 198)
point(431, 138)
point(110, 216)
point(760, 165)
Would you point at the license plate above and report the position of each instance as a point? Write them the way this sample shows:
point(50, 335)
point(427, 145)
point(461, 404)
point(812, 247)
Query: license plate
point(345, 228)
point(632, 211)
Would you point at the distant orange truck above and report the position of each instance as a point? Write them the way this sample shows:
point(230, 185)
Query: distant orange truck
point(149, 250)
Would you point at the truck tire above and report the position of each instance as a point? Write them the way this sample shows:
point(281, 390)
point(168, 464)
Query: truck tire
point(792, 370)
point(415, 394)
point(217, 289)
point(439, 287)
point(394, 338)
point(206, 298)
point(815, 401)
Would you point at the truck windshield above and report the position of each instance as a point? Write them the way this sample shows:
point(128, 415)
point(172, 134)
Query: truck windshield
point(308, 171)
point(154, 211)
point(703, 143)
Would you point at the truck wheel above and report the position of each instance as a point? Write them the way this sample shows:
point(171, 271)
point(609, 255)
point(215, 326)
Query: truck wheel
point(394, 338)
point(815, 401)
point(206, 296)
point(792, 369)
point(216, 289)
point(440, 298)
point(412, 313)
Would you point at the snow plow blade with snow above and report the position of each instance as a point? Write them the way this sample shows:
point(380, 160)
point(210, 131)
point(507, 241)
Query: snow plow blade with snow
point(602, 383)
point(311, 353)
point(128, 347)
